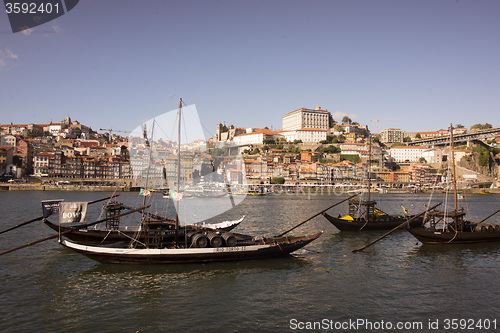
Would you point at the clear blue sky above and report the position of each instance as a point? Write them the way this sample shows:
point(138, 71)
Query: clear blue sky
point(110, 63)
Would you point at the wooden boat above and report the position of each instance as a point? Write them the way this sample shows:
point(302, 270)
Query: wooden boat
point(242, 247)
point(162, 244)
point(114, 232)
point(363, 216)
point(451, 227)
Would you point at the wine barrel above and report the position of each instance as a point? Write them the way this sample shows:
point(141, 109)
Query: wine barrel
point(199, 240)
point(214, 239)
point(229, 239)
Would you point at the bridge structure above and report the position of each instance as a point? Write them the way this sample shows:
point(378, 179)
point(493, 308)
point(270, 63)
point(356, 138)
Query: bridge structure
point(467, 138)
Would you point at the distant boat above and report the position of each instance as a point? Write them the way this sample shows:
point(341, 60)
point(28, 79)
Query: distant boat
point(451, 227)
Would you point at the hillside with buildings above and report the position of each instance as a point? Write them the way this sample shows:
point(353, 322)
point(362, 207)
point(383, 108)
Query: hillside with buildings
point(310, 148)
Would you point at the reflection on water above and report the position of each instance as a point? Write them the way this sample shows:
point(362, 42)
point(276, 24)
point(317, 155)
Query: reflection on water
point(51, 288)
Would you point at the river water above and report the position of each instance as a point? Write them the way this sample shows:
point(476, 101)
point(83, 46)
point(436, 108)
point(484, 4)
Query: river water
point(396, 283)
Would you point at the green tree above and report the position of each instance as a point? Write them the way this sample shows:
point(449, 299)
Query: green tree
point(330, 150)
point(483, 155)
point(346, 120)
point(398, 144)
point(277, 180)
point(481, 126)
point(255, 151)
point(349, 157)
point(269, 141)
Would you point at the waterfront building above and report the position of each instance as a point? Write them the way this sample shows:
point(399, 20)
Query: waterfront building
point(41, 164)
point(6, 155)
point(382, 175)
point(256, 169)
point(422, 173)
point(24, 150)
point(400, 177)
point(307, 171)
point(344, 170)
point(306, 118)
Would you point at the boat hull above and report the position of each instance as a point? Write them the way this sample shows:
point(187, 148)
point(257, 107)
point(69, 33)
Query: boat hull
point(246, 250)
point(451, 237)
point(362, 225)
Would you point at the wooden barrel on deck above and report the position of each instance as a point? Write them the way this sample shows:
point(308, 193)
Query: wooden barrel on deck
point(199, 240)
point(214, 239)
point(229, 239)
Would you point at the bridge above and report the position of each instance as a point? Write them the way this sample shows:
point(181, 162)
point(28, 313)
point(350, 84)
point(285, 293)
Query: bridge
point(445, 140)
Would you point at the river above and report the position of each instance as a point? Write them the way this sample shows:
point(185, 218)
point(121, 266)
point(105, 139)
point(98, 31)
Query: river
point(396, 285)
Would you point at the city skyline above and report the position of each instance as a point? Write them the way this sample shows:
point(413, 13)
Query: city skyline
point(114, 66)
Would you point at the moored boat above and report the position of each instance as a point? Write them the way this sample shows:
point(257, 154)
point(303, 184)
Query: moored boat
point(163, 244)
point(104, 234)
point(363, 216)
point(243, 248)
point(451, 227)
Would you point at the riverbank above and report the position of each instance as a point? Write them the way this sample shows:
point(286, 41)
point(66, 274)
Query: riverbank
point(270, 188)
point(57, 187)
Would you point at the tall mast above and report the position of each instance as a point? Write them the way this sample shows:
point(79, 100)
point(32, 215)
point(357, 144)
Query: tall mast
point(148, 144)
point(369, 164)
point(454, 171)
point(178, 167)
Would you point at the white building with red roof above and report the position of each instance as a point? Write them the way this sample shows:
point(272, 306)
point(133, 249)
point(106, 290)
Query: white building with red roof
point(407, 153)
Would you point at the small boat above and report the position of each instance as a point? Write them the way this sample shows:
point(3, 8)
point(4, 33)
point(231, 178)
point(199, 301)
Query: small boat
point(451, 227)
point(257, 191)
point(363, 216)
